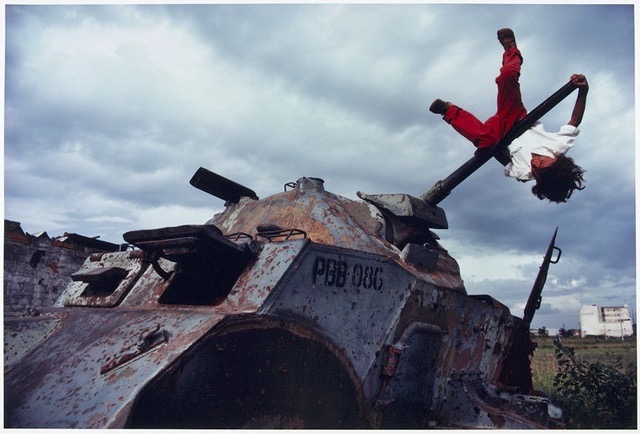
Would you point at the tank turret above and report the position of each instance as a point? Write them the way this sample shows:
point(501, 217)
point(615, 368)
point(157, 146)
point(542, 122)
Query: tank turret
point(441, 189)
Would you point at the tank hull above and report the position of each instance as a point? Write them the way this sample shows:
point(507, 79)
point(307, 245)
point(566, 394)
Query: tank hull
point(301, 310)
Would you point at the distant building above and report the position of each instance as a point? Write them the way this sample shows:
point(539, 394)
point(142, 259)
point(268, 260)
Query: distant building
point(612, 321)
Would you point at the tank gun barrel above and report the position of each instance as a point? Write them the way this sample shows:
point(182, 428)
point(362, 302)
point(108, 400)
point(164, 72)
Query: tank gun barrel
point(442, 188)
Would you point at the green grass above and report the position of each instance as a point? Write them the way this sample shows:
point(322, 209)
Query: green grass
point(596, 386)
point(544, 365)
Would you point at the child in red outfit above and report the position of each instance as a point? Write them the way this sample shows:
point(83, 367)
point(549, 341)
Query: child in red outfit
point(536, 154)
point(510, 107)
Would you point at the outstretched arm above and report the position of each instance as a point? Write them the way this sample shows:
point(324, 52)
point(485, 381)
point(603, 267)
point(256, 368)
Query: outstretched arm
point(581, 102)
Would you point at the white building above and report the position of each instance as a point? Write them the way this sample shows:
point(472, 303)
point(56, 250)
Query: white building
point(605, 321)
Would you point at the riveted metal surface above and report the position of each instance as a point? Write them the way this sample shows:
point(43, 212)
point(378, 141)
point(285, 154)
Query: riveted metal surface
point(20, 336)
point(61, 385)
point(353, 297)
point(48, 390)
point(254, 286)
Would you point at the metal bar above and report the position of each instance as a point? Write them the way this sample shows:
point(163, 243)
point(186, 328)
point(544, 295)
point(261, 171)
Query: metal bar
point(442, 188)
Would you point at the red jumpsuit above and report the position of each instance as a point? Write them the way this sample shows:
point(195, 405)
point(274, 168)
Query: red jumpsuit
point(510, 107)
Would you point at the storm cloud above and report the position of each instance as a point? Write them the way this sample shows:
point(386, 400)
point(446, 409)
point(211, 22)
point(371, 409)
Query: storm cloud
point(109, 110)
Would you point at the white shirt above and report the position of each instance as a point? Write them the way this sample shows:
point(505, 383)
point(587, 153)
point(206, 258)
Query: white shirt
point(537, 141)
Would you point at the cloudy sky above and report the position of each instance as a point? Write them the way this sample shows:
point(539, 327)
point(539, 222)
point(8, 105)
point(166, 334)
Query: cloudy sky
point(109, 110)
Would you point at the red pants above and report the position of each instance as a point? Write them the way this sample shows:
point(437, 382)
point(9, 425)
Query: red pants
point(510, 107)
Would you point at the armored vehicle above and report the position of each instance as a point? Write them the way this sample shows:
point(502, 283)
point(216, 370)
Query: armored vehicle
point(304, 309)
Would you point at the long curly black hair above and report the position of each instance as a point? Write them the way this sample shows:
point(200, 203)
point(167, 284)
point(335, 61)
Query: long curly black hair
point(558, 181)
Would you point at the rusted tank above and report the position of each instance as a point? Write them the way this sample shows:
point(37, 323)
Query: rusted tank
point(304, 309)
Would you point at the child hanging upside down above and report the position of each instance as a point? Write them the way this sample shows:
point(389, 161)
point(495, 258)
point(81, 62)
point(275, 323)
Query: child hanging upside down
point(536, 154)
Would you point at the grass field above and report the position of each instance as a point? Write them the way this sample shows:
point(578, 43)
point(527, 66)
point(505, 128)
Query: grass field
point(598, 382)
point(544, 365)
